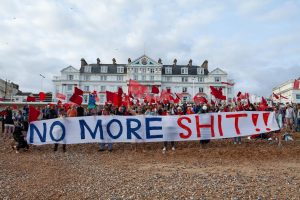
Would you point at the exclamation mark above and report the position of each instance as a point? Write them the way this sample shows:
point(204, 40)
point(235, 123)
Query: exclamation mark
point(266, 117)
point(254, 120)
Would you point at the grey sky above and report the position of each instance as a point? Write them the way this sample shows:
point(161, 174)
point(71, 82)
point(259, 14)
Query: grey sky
point(256, 42)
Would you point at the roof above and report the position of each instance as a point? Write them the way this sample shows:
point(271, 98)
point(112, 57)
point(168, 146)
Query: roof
point(111, 68)
point(176, 69)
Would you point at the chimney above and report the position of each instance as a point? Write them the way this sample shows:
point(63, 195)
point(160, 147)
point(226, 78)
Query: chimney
point(114, 61)
point(175, 62)
point(205, 64)
point(98, 61)
point(83, 62)
point(190, 62)
point(129, 60)
point(159, 61)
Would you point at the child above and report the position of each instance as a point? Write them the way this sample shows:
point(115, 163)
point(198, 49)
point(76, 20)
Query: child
point(19, 138)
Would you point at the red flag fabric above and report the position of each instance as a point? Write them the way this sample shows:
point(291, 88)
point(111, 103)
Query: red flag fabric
point(179, 96)
point(217, 93)
point(238, 94)
point(136, 88)
point(76, 99)
point(168, 90)
point(230, 84)
point(42, 96)
point(263, 101)
point(59, 102)
point(200, 99)
point(61, 96)
point(78, 91)
point(15, 107)
point(155, 89)
point(112, 97)
point(296, 84)
point(120, 93)
point(30, 99)
point(177, 100)
point(275, 95)
point(33, 114)
point(283, 97)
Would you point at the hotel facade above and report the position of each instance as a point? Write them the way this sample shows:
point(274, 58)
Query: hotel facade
point(188, 80)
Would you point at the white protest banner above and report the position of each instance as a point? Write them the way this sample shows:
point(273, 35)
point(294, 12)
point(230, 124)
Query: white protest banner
point(142, 128)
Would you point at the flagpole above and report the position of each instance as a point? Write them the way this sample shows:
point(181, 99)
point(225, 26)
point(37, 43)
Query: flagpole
point(42, 77)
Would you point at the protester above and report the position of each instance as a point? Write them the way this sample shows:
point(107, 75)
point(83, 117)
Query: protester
point(8, 123)
point(62, 115)
point(19, 138)
point(105, 112)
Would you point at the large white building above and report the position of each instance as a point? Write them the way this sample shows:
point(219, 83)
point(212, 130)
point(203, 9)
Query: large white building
point(188, 79)
point(287, 90)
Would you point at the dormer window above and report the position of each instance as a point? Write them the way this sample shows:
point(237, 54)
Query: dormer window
point(168, 70)
point(103, 69)
point(120, 70)
point(217, 79)
point(87, 69)
point(200, 71)
point(184, 70)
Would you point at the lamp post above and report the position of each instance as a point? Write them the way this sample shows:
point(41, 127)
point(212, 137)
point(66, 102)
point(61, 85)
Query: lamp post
point(42, 78)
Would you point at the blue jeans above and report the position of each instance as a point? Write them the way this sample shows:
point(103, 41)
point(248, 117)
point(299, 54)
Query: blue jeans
point(102, 146)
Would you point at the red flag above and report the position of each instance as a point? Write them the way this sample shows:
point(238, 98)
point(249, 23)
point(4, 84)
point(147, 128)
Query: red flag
point(15, 107)
point(136, 88)
point(30, 99)
point(283, 97)
point(263, 101)
point(217, 93)
point(230, 84)
point(76, 99)
point(42, 96)
point(61, 96)
point(198, 98)
point(112, 97)
point(78, 91)
point(238, 94)
point(179, 96)
point(275, 95)
point(168, 90)
point(59, 102)
point(120, 92)
point(33, 114)
point(177, 100)
point(155, 90)
point(296, 84)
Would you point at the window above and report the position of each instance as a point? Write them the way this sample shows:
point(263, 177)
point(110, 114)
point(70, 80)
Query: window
point(152, 70)
point(135, 77)
point(86, 88)
point(297, 96)
point(102, 88)
point(103, 78)
point(102, 98)
point(200, 89)
point(217, 79)
point(143, 78)
point(143, 70)
point(87, 77)
point(70, 77)
point(200, 79)
point(120, 70)
point(184, 70)
point(168, 79)
point(103, 69)
point(87, 69)
point(200, 71)
point(184, 89)
point(184, 79)
point(152, 78)
point(68, 96)
point(119, 78)
point(69, 87)
point(136, 70)
point(229, 90)
point(168, 70)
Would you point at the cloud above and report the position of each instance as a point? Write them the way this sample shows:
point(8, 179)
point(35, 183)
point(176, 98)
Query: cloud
point(239, 37)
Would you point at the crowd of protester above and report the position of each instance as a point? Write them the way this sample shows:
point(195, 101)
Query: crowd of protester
point(15, 123)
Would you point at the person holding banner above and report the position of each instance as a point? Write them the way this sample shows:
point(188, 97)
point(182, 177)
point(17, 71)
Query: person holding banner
point(279, 120)
point(62, 114)
point(105, 111)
